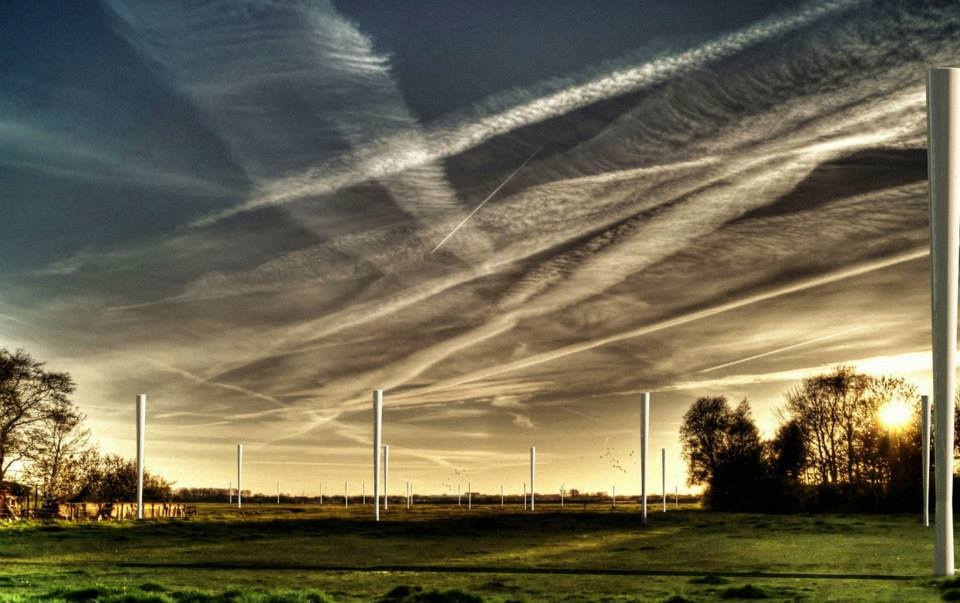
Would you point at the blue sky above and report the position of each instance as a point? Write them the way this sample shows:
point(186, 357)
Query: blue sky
point(236, 208)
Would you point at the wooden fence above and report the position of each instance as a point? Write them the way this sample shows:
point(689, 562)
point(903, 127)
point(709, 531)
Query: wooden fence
point(119, 510)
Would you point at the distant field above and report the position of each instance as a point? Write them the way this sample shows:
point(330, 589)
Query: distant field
point(314, 553)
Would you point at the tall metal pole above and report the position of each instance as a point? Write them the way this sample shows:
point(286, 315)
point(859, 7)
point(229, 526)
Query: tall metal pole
point(943, 137)
point(925, 437)
point(321, 493)
point(141, 428)
point(377, 443)
point(386, 477)
point(239, 476)
point(644, 433)
point(663, 476)
point(533, 476)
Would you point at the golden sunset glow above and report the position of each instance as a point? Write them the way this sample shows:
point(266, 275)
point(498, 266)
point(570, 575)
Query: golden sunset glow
point(895, 414)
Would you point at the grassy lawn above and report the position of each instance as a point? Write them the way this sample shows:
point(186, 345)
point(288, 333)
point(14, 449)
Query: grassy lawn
point(313, 553)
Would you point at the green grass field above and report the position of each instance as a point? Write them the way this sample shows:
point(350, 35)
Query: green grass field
point(432, 553)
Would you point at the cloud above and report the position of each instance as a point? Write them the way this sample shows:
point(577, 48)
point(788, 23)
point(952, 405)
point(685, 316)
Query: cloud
point(780, 350)
point(905, 364)
point(748, 208)
point(307, 86)
point(522, 421)
point(78, 156)
point(395, 154)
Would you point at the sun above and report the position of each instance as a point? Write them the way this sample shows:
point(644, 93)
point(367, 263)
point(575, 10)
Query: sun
point(895, 414)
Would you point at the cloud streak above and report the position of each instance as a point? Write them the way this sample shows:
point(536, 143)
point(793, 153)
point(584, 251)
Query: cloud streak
point(487, 198)
point(458, 134)
point(721, 208)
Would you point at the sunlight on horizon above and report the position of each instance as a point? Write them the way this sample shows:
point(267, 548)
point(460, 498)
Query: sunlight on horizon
point(895, 414)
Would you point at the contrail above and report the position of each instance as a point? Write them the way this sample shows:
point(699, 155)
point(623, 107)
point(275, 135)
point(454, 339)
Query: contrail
point(199, 379)
point(484, 202)
point(455, 135)
point(582, 414)
point(576, 348)
point(779, 350)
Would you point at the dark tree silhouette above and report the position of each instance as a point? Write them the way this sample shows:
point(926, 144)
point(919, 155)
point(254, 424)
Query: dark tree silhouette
point(29, 394)
point(789, 451)
point(703, 437)
point(838, 415)
point(724, 452)
point(831, 453)
point(739, 479)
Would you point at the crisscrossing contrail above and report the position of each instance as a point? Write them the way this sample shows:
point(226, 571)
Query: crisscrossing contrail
point(490, 196)
point(783, 349)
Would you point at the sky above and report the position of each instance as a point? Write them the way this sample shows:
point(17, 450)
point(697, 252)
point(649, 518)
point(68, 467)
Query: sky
point(511, 217)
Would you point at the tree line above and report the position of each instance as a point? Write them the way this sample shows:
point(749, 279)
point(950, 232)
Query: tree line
point(44, 441)
point(832, 450)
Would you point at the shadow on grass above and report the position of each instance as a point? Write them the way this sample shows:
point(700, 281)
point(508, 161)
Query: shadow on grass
point(474, 569)
point(155, 593)
point(436, 523)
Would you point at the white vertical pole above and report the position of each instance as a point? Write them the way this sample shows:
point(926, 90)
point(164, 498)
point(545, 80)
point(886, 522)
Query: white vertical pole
point(321, 493)
point(663, 476)
point(644, 433)
point(943, 133)
point(141, 428)
point(562, 488)
point(676, 496)
point(925, 438)
point(377, 443)
point(363, 493)
point(239, 476)
point(533, 476)
point(230, 493)
point(278, 492)
point(469, 495)
point(386, 477)
point(346, 496)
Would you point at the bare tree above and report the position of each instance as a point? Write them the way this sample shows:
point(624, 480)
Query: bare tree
point(57, 452)
point(837, 414)
point(28, 395)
